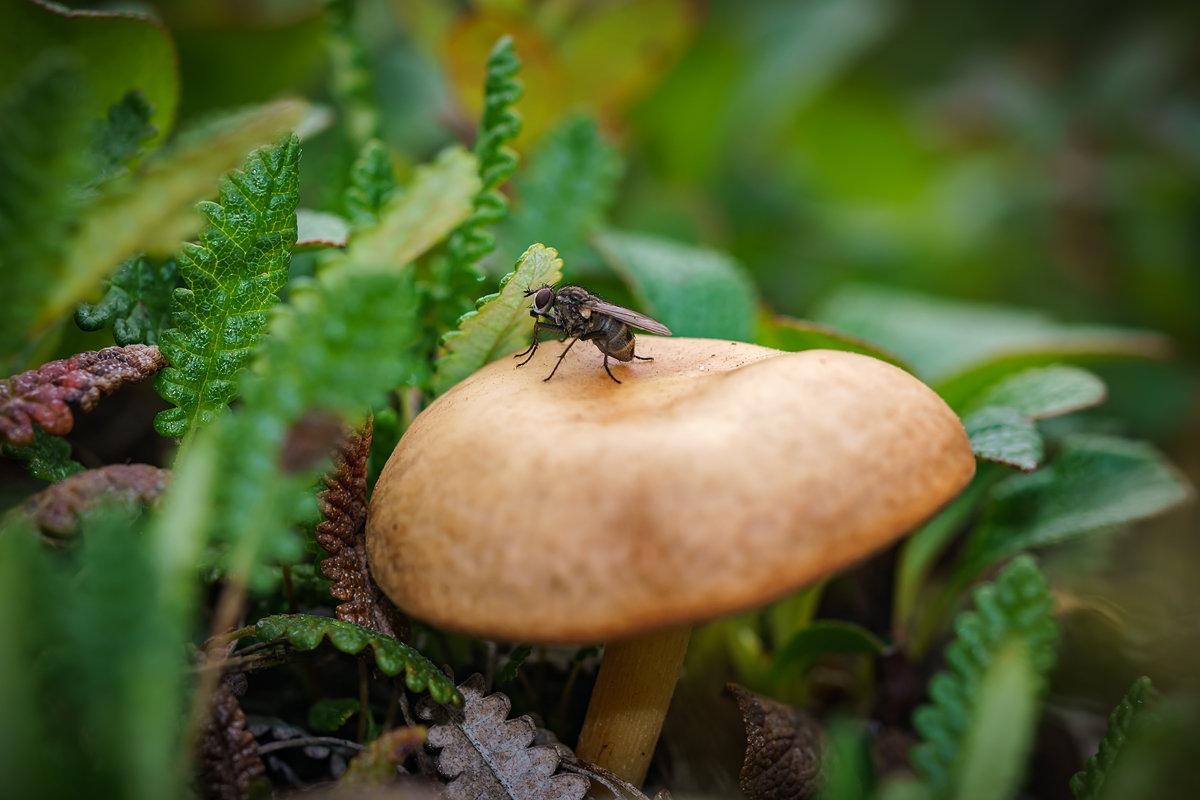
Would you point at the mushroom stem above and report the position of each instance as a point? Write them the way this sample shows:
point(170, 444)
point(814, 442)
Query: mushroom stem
point(633, 690)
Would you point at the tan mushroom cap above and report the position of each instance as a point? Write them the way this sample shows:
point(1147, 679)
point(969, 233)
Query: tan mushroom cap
point(715, 478)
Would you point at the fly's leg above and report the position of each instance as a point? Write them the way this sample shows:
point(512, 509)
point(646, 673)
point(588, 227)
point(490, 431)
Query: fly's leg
point(560, 360)
point(643, 358)
point(532, 349)
point(609, 371)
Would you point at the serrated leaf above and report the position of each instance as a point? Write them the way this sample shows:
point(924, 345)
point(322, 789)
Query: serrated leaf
point(117, 51)
point(1006, 436)
point(372, 182)
point(564, 191)
point(232, 276)
point(694, 291)
point(137, 302)
point(352, 80)
point(487, 756)
point(1088, 783)
point(962, 348)
point(306, 632)
point(1095, 483)
point(438, 198)
point(49, 457)
point(502, 323)
point(1012, 624)
point(153, 210)
point(456, 280)
point(330, 713)
point(1044, 392)
point(792, 335)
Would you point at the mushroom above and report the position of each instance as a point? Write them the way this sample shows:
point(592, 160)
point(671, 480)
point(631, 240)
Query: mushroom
point(713, 479)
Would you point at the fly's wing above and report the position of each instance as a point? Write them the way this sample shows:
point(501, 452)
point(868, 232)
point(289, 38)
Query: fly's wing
point(627, 316)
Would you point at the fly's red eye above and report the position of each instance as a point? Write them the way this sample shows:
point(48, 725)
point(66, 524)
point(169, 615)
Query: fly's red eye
point(542, 300)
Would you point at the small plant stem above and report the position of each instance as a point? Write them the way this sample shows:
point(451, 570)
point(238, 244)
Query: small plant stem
point(389, 719)
point(289, 590)
point(363, 698)
point(629, 703)
point(308, 741)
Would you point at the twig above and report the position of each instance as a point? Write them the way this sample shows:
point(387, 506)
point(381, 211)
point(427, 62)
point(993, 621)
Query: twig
point(307, 741)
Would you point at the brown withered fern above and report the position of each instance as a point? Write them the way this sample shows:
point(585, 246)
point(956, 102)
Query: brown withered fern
point(343, 536)
point(43, 396)
point(56, 509)
point(229, 759)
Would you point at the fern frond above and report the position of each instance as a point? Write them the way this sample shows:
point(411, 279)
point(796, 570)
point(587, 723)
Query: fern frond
point(456, 279)
point(49, 457)
point(232, 277)
point(501, 323)
point(1013, 611)
point(1088, 783)
point(137, 302)
point(565, 189)
point(371, 183)
point(306, 632)
point(122, 136)
point(351, 80)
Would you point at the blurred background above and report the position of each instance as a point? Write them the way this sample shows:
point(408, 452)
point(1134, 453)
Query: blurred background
point(1041, 155)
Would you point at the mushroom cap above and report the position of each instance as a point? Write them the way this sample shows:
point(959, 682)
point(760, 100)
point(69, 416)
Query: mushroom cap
point(715, 478)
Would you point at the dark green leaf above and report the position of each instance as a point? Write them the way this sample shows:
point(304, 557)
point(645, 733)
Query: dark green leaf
point(136, 304)
point(502, 322)
point(372, 182)
point(1044, 392)
point(330, 713)
point(305, 632)
point(1095, 483)
point(1006, 436)
point(786, 333)
point(515, 659)
point(1088, 783)
point(694, 291)
point(962, 348)
point(232, 277)
point(122, 137)
point(998, 661)
point(820, 639)
point(49, 457)
point(564, 190)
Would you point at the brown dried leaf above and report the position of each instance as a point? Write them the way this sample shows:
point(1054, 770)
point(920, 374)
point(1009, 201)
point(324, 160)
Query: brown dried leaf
point(41, 396)
point(229, 757)
point(56, 509)
point(343, 535)
point(783, 749)
point(487, 756)
point(377, 764)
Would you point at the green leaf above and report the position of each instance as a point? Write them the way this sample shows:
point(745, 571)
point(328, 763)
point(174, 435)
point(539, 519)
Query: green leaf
point(320, 229)
point(793, 335)
point(694, 291)
point(137, 303)
point(123, 136)
point(818, 640)
point(372, 182)
point(414, 220)
point(42, 142)
point(351, 81)
point(1088, 783)
point(456, 280)
point(94, 682)
point(565, 189)
point(1004, 649)
point(49, 456)
point(516, 658)
point(154, 209)
point(117, 51)
point(305, 632)
point(502, 322)
point(962, 348)
point(232, 277)
point(847, 772)
point(1006, 436)
point(1094, 484)
point(330, 713)
point(1044, 392)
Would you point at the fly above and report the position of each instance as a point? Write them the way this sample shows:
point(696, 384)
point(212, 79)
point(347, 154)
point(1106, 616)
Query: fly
point(577, 313)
